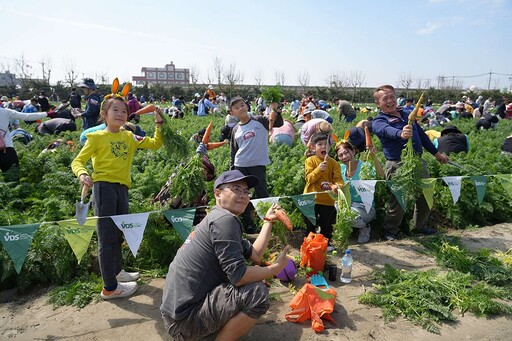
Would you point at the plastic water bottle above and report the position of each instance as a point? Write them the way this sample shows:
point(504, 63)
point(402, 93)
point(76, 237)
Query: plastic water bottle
point(346, 268)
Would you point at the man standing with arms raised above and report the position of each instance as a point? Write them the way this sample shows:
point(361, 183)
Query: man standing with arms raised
point(390, 125)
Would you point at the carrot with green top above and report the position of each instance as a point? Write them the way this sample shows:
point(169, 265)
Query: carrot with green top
point(147, 109)
point(207, 133)
point(214, 145)
point(283, 218)
point(414, 113)
point(368, 137)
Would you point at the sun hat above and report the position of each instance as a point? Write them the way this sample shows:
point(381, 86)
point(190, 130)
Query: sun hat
point(4, 99)
point(210, 87)
point(301, 118)
point(197, 94)
point(235, 175)
point(87, 83)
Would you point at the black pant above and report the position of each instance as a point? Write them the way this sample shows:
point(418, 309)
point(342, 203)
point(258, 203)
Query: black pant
point(325, 218)
point(260, 191)
point(9, 158)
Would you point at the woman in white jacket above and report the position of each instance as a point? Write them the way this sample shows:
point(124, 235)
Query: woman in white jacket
point(8, 156)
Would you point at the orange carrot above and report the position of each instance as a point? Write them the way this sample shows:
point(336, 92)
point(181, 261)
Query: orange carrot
point(283, 218)
point(213, 145)
point(207, 133)
point(368, 137)
point(147, 109)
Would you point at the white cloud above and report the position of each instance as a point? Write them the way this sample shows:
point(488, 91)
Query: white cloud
point(429, 29)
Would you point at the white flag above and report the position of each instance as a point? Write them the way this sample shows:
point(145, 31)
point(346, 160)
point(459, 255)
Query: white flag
point(454, 183)
point(133, 226)
point(271, 200)
point(366, 190)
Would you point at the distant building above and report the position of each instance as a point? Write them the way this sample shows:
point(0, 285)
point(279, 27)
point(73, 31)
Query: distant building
point(8, 79)
point(168, 74)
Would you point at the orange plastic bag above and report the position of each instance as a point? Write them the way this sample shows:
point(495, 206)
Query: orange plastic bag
point(313, 251)
point(312, 303)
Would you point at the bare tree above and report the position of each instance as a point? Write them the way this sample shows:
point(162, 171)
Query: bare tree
point(258, 77)
point(218, 70)
point(102, 78)
point(232, 76)
point(426, 84)
point(337, 80)
point(194, 75)
point(303, 79)
point(46, 69)
point(23, 69)
point(419, 83)
point(70, 73)
point(356, 79)
point(441, 82)
point(405, 81)
point(280, 77)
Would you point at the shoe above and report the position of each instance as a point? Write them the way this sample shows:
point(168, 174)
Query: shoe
point(393, 236)
point(124, 276)
point(364, 235)
point(427, 231)
point(122, 290)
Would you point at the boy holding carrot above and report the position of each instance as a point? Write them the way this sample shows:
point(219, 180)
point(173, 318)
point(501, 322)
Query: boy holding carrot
point(322, 173)
point(392, 128)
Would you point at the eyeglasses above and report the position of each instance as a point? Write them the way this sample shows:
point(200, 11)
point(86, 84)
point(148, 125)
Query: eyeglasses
point(238, 190)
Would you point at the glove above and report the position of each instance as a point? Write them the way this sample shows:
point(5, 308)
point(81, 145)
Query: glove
point(201, 149)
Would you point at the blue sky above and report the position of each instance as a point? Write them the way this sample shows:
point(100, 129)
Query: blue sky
point(383, 40)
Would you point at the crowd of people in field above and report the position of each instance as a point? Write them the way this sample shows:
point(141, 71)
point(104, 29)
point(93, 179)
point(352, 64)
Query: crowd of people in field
point(209, 287)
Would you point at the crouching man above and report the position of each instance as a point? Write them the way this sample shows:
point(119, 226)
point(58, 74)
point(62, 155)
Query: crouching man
point(209, 288)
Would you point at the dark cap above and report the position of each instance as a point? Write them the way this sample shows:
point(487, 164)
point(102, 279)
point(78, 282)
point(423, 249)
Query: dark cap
point(87, 83)
point(235, 175)
point(450, 129)
point(356, 138)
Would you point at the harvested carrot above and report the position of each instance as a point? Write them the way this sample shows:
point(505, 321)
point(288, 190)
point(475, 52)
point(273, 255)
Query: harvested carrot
point(213, 145)
point(414, 113)
point(283, 218)
point(368, 137)
point(207, 133)
point(147, 109)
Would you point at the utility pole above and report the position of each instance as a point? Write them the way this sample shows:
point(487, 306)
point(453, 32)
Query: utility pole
point(489, 84)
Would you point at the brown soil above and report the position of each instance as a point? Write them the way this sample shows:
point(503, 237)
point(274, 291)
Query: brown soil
point(30, 317)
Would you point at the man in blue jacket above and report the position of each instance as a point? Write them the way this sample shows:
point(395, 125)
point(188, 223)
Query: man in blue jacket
point(390, 125)
point(92, 104)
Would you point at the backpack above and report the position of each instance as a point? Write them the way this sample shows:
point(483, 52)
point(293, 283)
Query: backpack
point(3, 147)
point(74, 100)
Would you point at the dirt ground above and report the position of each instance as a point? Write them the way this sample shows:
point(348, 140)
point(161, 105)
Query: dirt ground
point(30, 317)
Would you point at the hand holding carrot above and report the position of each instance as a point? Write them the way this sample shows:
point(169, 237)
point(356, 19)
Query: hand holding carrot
point(323, 165)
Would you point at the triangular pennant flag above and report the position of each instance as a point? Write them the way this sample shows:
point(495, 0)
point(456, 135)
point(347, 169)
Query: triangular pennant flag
point(428, 190)
point(366, 190)
point(506, 182)
point(16, 240)
point(480, 186)
point(271, 200)
point(306, 204)
point(133, 226)
point(78, 236)
point(397, 192)
point(182, 220)
point(454, 183)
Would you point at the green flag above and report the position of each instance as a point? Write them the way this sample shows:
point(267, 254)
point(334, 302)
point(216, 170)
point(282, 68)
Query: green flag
point(506, 182)
point(182, 220)
point(16, 240)
point(306, 204)
point(397, 192)
point(78, 236)
point(480, 182)
point(428, 190)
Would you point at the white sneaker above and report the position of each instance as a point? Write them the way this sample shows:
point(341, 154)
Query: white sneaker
point(124, 276)
point(364, 235)
point(122, 290)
